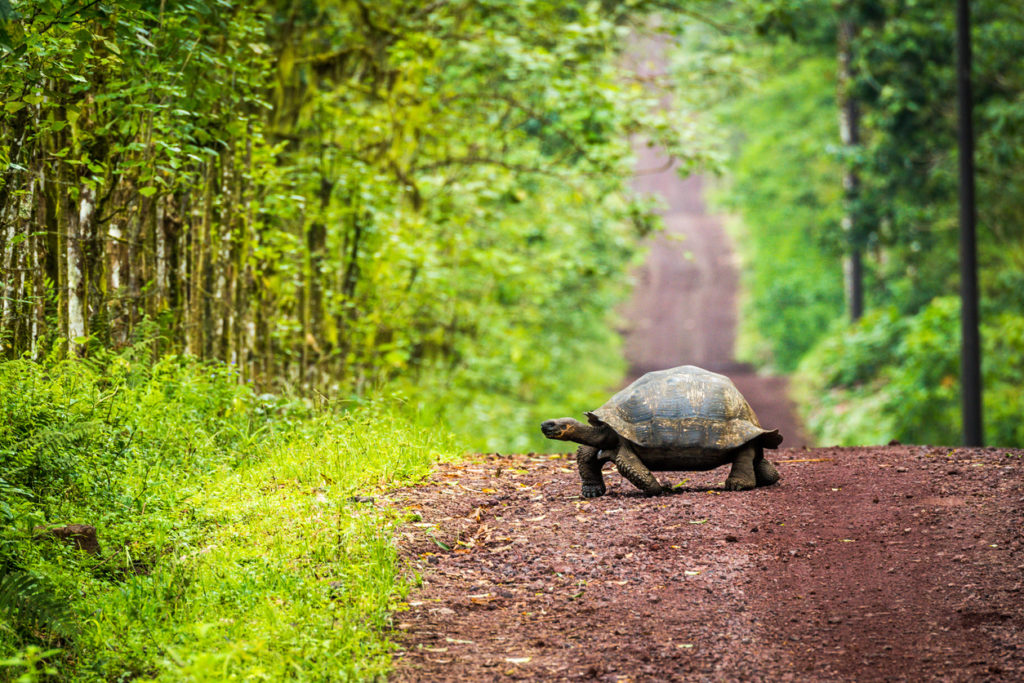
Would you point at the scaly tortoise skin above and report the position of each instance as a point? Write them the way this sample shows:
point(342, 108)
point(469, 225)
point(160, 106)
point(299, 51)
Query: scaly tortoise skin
point(682, 419)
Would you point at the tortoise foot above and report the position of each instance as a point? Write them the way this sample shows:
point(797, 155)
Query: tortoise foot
point(592, 490)
point(766, 473)
point(739, 484)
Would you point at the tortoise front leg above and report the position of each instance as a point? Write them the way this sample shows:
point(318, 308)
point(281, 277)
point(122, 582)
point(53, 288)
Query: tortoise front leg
point(590, 471)
point(630, 466)
point(742, 477)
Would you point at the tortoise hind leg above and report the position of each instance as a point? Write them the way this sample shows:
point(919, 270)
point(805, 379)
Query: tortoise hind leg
point(590, 471)
point(742, 476)
point(630, 466)
point(764, 471)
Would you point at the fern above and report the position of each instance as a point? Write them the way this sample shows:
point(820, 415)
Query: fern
point(29, 603)
point(56, 438)
point(8, 494)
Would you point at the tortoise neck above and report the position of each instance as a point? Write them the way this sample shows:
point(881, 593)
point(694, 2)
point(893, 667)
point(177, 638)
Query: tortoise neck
point(598, 436)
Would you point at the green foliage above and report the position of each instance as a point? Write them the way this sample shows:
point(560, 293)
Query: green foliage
point(323, 199)
point(233, 542)
point(785, 189)
point(897, 377)
point(335, 196)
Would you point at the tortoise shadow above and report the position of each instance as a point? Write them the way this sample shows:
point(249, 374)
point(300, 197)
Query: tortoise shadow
point(667, 491)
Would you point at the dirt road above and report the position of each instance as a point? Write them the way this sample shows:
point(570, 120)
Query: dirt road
point(684, 305)
point(896, 563)
point(683, 309)
point(863, 564)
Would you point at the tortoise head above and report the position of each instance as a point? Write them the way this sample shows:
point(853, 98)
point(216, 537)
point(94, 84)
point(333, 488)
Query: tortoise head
point(596, 434)
point(562, 429)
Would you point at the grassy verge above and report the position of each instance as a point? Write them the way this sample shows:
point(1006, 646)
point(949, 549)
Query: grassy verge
point(235, 539)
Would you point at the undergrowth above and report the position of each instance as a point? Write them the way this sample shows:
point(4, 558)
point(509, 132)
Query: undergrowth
point(236, 540)
point(890, 376)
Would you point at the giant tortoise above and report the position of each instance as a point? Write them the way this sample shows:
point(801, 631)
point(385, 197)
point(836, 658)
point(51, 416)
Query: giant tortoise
point(684, 418)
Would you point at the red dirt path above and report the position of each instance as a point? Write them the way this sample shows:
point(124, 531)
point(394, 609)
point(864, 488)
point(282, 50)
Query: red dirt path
point(862, 564)
point(683, 309)
point(897, 563)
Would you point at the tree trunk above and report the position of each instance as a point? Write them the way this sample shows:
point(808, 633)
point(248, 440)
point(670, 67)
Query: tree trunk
point(849, 133)
point(78, 227)
point(162, 256)
point(8, 250)
point(316, 243)
point(117, 268)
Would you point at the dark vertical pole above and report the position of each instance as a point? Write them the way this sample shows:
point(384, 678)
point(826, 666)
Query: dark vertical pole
point(970, 349)
point(849, 134)
point(853, 186)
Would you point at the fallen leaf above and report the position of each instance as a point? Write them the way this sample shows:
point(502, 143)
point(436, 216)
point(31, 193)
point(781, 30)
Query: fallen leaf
point(517, 660)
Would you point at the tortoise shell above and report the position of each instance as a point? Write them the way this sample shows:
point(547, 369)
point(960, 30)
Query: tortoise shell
point(684, 408)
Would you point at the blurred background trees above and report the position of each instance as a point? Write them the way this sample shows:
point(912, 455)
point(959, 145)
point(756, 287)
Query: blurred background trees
point(895, 373)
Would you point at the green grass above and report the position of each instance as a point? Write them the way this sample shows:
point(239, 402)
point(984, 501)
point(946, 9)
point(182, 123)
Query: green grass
point(234, 545)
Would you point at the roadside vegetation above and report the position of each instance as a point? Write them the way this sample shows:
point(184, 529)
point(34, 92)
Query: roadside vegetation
point(235, 536)
point(767, 83)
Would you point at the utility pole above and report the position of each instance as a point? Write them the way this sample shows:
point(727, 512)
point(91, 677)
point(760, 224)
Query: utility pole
point(970, 347)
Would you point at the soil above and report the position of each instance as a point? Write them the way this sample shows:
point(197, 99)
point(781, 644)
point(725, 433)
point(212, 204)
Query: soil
point(889, 563)
point(683, 307)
